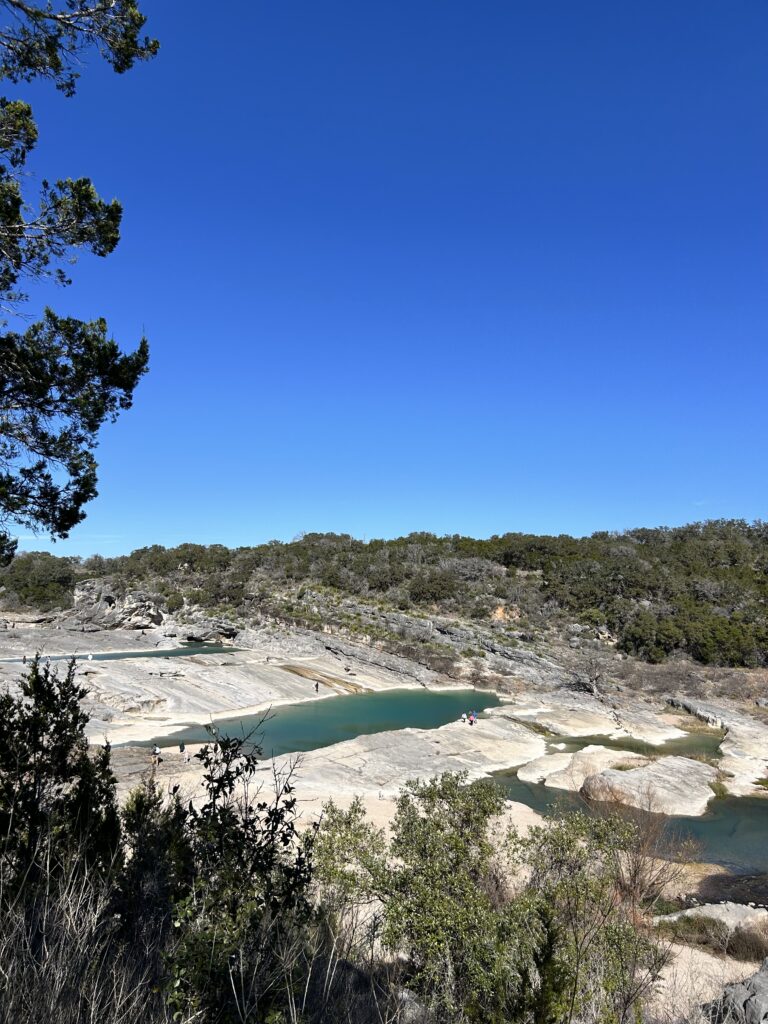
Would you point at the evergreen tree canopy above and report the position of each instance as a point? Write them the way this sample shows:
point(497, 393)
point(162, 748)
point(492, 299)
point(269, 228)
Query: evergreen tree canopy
point(60, 378)
point(44, 40)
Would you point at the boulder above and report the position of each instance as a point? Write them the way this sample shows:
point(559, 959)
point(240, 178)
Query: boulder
point(541, 768)
point(671, 785)
point(208, 629)
point(745, 1002)
point(103, 604)
point(591, 760)
point(569, 771)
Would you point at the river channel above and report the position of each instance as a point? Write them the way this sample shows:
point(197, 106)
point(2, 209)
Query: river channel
point(186, 651)
point(320, 723)
point(733, 832)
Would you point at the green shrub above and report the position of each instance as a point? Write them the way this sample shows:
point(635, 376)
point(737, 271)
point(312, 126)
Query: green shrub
point(749, 943)
point(700, 590)
point(697, 930)
point(57, 799)
point(432, 587)
point(40, 580)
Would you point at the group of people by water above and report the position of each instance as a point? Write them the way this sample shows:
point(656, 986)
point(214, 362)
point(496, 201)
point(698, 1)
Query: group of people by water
point(157, 754)
point(471, 717)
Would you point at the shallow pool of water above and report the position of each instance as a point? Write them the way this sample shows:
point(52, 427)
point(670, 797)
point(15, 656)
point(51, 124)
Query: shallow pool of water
point(167, 652)
point(733, 832)
point(705, 744)
point(319, 723)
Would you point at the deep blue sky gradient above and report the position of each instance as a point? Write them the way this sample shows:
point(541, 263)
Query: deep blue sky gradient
point(440, 265)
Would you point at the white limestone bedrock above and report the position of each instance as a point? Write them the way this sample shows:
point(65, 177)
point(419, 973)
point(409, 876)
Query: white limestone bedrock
point(744, 749)
point(382, 762)
point(677, 786)
point(734, 915)
point(136, 698)
point(569, 771)
point(568, 714)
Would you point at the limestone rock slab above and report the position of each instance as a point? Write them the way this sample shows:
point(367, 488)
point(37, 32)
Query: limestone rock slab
point(676, 786)
point(734, 915)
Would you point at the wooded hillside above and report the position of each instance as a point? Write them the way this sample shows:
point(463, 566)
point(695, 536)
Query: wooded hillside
point(700, 589)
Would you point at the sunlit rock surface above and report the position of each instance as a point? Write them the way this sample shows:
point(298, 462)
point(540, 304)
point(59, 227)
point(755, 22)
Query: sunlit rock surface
point(744, 749)
point(569, 771)
point(671, 785)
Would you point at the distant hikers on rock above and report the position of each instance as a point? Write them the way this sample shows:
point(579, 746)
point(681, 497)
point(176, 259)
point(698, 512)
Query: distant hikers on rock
point(471, 717)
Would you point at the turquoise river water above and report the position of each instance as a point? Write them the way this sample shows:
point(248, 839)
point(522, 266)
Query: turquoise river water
point(320, 723)
point(733, 832)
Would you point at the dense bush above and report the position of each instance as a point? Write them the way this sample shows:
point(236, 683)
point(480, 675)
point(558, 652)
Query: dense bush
point(39, 580)
point(749, 943)
point(185, 909)
point(433, 587)
point(551, 932)
point(174, 602)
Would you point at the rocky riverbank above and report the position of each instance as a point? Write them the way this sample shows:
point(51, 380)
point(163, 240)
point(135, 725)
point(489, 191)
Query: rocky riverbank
point(134, 698)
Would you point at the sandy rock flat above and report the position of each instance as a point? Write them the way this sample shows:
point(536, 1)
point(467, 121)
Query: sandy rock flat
point(692, 978)
point(566, 713)
point(136, 698)
point(382, 762)
point(372, 767)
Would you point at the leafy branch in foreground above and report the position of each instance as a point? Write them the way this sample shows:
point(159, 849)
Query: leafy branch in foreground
point(543, 928)
point(56, 797)
point(46, 40)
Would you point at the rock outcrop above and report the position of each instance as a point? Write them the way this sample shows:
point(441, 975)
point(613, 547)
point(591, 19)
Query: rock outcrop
point(672, 785)
point(733, 915)
point(99, 603)
point(744, 749)
point(570, 771)
point(745, 1002)
point(566, 713)
point(207, 629)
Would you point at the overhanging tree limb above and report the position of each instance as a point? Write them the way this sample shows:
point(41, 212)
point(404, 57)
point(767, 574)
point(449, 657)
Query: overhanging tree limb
point(44, 41)
point(61, 378)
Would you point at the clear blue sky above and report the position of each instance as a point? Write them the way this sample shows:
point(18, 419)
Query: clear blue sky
point(440, 265)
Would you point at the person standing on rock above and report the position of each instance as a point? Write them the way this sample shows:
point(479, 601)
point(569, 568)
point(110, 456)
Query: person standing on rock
point(317, 687)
